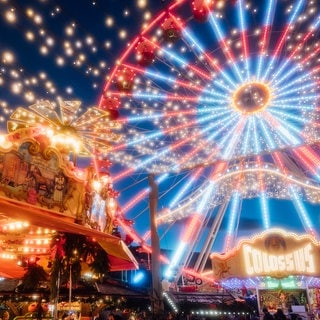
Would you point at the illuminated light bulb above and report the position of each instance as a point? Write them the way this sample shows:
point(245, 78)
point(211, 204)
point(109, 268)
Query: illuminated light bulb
point(11, 16)
point(37, 19)
point(7, 57)
point(4, 143)
point(96, 185)
point(122, 34)
point(109, 21)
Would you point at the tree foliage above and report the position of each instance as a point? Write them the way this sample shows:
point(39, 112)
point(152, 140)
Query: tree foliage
point(31, 280)
point(68, 253)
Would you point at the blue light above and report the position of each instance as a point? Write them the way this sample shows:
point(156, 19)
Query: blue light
point(138, 277)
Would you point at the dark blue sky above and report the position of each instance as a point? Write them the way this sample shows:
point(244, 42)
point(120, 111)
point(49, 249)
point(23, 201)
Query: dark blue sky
point(38, 34)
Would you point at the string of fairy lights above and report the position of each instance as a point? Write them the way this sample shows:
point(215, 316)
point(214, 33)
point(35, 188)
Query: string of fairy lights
point(73, 50)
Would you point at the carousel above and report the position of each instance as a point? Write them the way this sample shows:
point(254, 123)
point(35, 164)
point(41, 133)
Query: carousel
point(50, 185)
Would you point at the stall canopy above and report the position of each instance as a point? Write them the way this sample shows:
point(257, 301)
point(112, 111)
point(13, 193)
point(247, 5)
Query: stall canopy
point(120, 256)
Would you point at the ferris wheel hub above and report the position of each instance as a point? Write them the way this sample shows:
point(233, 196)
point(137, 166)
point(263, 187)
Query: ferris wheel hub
point(251, 97)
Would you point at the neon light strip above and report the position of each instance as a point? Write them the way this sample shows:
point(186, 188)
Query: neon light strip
point(305, 219)
point(265, 210)
point(305, 160)
point(195, 42)
point(299, 77)
point(294, 99)
point(294, 129)
point(175, 260)
point(263, 197)
point(184, 63)
point(283, 90)
point(266, 132)
point(289, 116)
point(208, 194)
point(129, 231)
point(188, 184)
point(247, 135)
point(181, 61)
point(153, 135)
point(130, 204)
point(157, 116)
point(165, 78)
point(193, 225)
point(313, 27)
point(222, 43)
point(218, 169)
point(266, 34)
point(272, 171)
point(256, 143)
point(191, 112)
point(164, 151)
point(310, 154)
point(234, 211)
point(292, 18)
point(243, 29)
point(284, 134)
point(235, 136)
point(303, 214)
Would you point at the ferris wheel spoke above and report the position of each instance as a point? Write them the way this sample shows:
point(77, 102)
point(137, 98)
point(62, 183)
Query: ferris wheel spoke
point(235, 209)
point(266, 34)
point(303, 214)
point(244, 36)
point(297, 9)
point(313, 27)
point(308, 160)
point(283, 136)
point(213, 63)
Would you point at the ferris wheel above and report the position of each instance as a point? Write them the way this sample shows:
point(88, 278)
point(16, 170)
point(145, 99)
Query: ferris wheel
point(220, 101)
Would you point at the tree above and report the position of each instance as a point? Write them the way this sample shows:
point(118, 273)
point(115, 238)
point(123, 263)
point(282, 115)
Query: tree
point(31, 280)
point(68, 252)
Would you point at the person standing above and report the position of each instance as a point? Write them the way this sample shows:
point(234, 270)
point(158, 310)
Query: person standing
point(5, 315)
point(267, 315)
point(279, 315)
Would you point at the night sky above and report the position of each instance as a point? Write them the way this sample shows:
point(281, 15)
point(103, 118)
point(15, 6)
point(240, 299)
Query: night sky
point(65, 49)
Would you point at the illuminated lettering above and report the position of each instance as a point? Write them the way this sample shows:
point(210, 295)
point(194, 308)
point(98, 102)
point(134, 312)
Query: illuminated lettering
point(281, 263)
point(248, 260)
point(289, 262)
point(309, 257)
point(260, 262)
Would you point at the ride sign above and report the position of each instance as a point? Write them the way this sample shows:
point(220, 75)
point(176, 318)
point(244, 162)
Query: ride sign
point(273, 253)
point(259, 262)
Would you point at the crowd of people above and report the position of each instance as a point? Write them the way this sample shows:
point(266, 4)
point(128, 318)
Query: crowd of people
point(278, 315)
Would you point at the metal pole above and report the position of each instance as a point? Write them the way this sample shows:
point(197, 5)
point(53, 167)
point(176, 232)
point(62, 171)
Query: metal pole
point(70, 288)
point(56, 298)
point(156, 295)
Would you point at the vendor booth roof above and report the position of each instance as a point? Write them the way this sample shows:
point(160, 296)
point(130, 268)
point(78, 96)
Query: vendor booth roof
point(119, 255)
